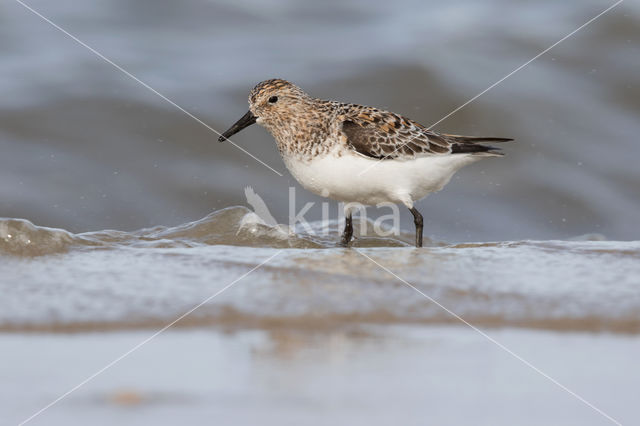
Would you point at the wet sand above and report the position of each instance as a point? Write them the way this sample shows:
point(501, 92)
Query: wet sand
point(410, 375)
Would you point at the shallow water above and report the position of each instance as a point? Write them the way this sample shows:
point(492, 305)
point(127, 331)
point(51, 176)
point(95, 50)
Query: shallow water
point(374, 376)
point(56, 280)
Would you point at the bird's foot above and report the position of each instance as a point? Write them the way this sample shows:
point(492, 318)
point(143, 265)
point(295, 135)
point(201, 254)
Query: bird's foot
point(344, 242)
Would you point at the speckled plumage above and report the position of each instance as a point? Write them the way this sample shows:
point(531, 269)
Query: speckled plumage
point(356, 153)
point(306, 127)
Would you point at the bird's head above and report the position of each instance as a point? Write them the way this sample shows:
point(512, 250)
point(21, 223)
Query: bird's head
point(272, 104)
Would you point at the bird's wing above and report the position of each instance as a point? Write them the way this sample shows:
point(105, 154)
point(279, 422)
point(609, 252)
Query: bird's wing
point(385, 135)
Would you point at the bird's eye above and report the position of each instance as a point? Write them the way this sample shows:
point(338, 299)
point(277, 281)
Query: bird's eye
point(273, 99)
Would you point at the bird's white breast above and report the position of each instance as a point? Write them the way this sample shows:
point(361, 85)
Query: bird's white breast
point(351, 177)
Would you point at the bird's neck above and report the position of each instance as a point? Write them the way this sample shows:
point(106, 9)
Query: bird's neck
point(303, 134)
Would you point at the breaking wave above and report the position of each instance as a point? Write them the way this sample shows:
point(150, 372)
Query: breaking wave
point(54, 280)
point(236, 226)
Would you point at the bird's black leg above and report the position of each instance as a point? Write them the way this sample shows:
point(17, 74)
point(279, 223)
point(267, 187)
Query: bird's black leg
point(417, 220)
point(348, 230)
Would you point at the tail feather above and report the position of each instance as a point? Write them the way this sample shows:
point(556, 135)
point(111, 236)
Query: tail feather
point(473, 144)
point(475, 139)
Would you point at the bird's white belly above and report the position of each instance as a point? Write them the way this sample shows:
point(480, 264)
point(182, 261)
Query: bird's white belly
point(354, 178)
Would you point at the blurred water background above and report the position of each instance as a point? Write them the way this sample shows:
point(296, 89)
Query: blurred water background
point(86, 148)
point(539, 247)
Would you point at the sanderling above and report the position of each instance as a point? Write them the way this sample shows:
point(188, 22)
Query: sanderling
point(330, 146)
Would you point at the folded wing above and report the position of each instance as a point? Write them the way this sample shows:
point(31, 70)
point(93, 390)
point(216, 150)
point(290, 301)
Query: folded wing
point(385, 135)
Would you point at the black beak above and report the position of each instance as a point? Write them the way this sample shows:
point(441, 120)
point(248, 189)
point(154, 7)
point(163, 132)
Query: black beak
point(247, 120)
